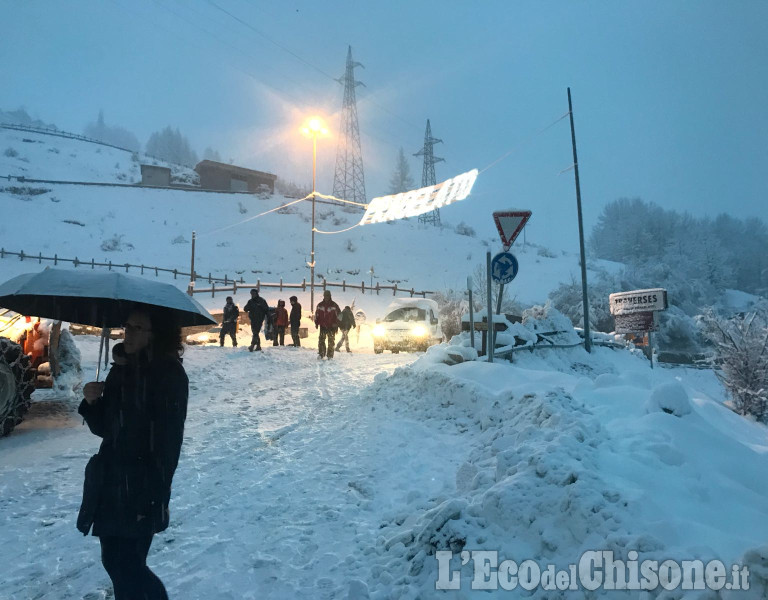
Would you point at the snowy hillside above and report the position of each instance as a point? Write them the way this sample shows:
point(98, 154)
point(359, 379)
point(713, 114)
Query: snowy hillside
point(41, 156)
point(154, 227)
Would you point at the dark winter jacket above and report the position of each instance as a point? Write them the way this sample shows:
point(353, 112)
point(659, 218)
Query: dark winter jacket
point(295, 318)
point(140, 417)
point(231, 313)
point(257, 308)
point(347, 320)
point(327, 314)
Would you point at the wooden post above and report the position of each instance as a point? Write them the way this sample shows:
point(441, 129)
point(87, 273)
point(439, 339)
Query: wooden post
point(394, 290)
point(192, 264)
point(343, 285)
point(55, 259)
point(362, 287)
point(213, 289)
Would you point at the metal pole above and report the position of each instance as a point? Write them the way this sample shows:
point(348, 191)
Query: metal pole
point(471, 314)
point(498, 309)
point(312, 258)
point(488, 309)
point(192, 267)
point(650, 347)
point(584, 296)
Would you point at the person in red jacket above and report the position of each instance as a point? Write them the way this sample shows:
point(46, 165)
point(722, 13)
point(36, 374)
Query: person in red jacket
point(281, 322)
point(327, 319)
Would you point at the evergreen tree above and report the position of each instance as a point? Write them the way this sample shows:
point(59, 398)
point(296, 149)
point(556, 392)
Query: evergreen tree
point(170, 145)
point(401, 180)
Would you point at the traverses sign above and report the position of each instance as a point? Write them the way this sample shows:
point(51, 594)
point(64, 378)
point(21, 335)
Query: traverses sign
point(636, 301)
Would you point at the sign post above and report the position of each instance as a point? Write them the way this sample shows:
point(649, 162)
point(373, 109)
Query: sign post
point(471, 313)
point(490, 338)
point(635, 312)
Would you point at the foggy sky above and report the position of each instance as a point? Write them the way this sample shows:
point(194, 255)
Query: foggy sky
point(668, 96)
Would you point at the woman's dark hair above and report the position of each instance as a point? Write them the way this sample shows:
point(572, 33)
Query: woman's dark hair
point(166, 333)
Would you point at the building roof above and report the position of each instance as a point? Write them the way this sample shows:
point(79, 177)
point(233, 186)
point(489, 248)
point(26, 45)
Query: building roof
point(232, 169)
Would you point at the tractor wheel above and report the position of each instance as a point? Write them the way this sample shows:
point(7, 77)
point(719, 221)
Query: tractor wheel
point(16, 385)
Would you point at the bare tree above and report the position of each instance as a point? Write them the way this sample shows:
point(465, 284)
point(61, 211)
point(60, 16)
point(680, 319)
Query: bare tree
point(741, 351)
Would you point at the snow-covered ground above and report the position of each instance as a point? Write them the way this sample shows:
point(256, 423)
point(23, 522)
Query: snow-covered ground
point(302, 478)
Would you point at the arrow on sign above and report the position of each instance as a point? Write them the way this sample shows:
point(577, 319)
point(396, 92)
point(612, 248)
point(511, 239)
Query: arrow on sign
point(510, 223)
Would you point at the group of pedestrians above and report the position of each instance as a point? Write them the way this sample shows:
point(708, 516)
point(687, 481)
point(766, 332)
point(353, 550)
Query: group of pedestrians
point(329, 318)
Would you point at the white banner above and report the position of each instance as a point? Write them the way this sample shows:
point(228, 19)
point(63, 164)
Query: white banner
point(418, 202)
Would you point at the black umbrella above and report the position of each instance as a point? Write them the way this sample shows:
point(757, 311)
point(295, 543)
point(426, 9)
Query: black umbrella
point(102, 299)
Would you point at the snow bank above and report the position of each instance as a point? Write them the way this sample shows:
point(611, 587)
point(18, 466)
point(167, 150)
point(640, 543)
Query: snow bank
point(570, 452)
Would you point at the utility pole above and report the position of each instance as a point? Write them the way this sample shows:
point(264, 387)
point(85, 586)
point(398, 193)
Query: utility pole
point(584, 296)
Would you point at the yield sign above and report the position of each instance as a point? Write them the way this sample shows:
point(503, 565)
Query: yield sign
point(510, 223)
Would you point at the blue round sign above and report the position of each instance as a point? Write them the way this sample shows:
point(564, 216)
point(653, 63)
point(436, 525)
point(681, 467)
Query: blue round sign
point(504, 267)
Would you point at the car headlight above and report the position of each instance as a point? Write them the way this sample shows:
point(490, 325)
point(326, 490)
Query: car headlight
point(419, 331)
point(379, 331)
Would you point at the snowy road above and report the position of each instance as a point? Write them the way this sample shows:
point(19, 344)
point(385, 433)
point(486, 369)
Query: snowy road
point(288, 468)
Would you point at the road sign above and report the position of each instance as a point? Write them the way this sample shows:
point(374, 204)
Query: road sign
point(639, 322)
point(510, 223)
point(504, 267)
point(638, 301)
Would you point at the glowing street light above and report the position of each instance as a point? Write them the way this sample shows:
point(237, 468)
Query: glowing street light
point(313, 127)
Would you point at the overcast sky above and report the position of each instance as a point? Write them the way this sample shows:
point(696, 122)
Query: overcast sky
point(669, 97)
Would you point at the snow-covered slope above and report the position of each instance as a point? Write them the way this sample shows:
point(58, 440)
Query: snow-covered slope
point(42, 156)
point(154, 227)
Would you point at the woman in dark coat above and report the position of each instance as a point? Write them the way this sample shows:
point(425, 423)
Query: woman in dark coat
point(139, 411)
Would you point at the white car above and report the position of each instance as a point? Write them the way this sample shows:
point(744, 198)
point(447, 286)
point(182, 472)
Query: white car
point(410, 324)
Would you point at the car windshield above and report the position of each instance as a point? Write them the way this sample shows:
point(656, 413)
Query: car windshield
point(407, 314)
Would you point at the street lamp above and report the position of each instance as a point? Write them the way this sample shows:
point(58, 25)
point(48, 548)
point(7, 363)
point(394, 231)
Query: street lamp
point(314, 127)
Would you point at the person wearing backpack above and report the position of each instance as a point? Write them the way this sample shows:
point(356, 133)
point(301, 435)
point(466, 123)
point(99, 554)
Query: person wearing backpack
point(347, 322)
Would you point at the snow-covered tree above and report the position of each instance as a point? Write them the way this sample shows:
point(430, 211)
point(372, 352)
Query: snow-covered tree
point(170, 145)
point(111, 134)
point(401, 180)
point(741, 351)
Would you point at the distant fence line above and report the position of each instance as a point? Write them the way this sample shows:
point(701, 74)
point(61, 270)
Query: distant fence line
point(229, 284)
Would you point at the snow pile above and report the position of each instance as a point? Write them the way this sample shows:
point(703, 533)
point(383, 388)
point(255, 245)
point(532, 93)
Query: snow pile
point(570, 452)
point(670, 398)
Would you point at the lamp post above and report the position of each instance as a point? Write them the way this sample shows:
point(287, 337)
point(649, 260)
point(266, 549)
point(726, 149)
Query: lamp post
point(314, 126)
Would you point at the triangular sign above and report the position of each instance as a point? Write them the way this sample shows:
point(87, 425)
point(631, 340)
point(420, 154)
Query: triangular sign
point(510, 223)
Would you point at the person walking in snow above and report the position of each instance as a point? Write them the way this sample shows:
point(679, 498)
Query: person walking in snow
point(257, 309)
point(281, 322)
point(295, 320)
point(139, 412)
point(346, 323)
point(229, 322)
point(327, 319)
